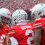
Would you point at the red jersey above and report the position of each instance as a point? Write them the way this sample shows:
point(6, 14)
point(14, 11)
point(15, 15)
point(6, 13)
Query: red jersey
point(24, 34)
point(40, 23)
point(3, 32)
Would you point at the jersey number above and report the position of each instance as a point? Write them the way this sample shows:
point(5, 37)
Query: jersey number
point(29, 38)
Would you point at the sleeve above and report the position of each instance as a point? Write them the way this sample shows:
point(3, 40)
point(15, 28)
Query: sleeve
point(6, 28)
point(37, 24)
point(11, 32)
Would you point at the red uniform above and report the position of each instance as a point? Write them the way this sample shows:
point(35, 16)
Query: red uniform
point(3, 33)
point(40, 23)
point(24, 34)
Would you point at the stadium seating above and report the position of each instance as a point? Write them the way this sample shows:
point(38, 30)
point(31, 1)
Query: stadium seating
point(19, 4)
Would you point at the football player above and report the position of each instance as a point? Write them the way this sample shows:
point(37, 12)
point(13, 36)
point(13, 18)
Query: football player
point(38, 11)
point(4, 20)
point(23, 31)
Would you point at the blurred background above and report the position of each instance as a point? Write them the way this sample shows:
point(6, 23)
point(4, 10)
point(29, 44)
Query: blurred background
point(12, 5)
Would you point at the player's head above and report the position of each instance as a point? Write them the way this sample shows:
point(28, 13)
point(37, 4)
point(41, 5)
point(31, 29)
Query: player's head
point(38, 11)
point(19, 15)
point(5, 15)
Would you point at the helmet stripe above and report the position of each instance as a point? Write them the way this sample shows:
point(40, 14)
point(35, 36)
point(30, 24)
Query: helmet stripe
point(8, 14)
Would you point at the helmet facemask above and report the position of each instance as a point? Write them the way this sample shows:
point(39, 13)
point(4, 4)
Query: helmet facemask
point(5, 20)
point(14, 21)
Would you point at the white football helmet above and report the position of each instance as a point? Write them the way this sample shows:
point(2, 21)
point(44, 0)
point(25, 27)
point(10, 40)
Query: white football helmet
point(19, 15)
point(5, 14)
point(38, 11)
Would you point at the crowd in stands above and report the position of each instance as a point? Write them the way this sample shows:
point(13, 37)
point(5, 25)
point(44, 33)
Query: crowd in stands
point(19, 4)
